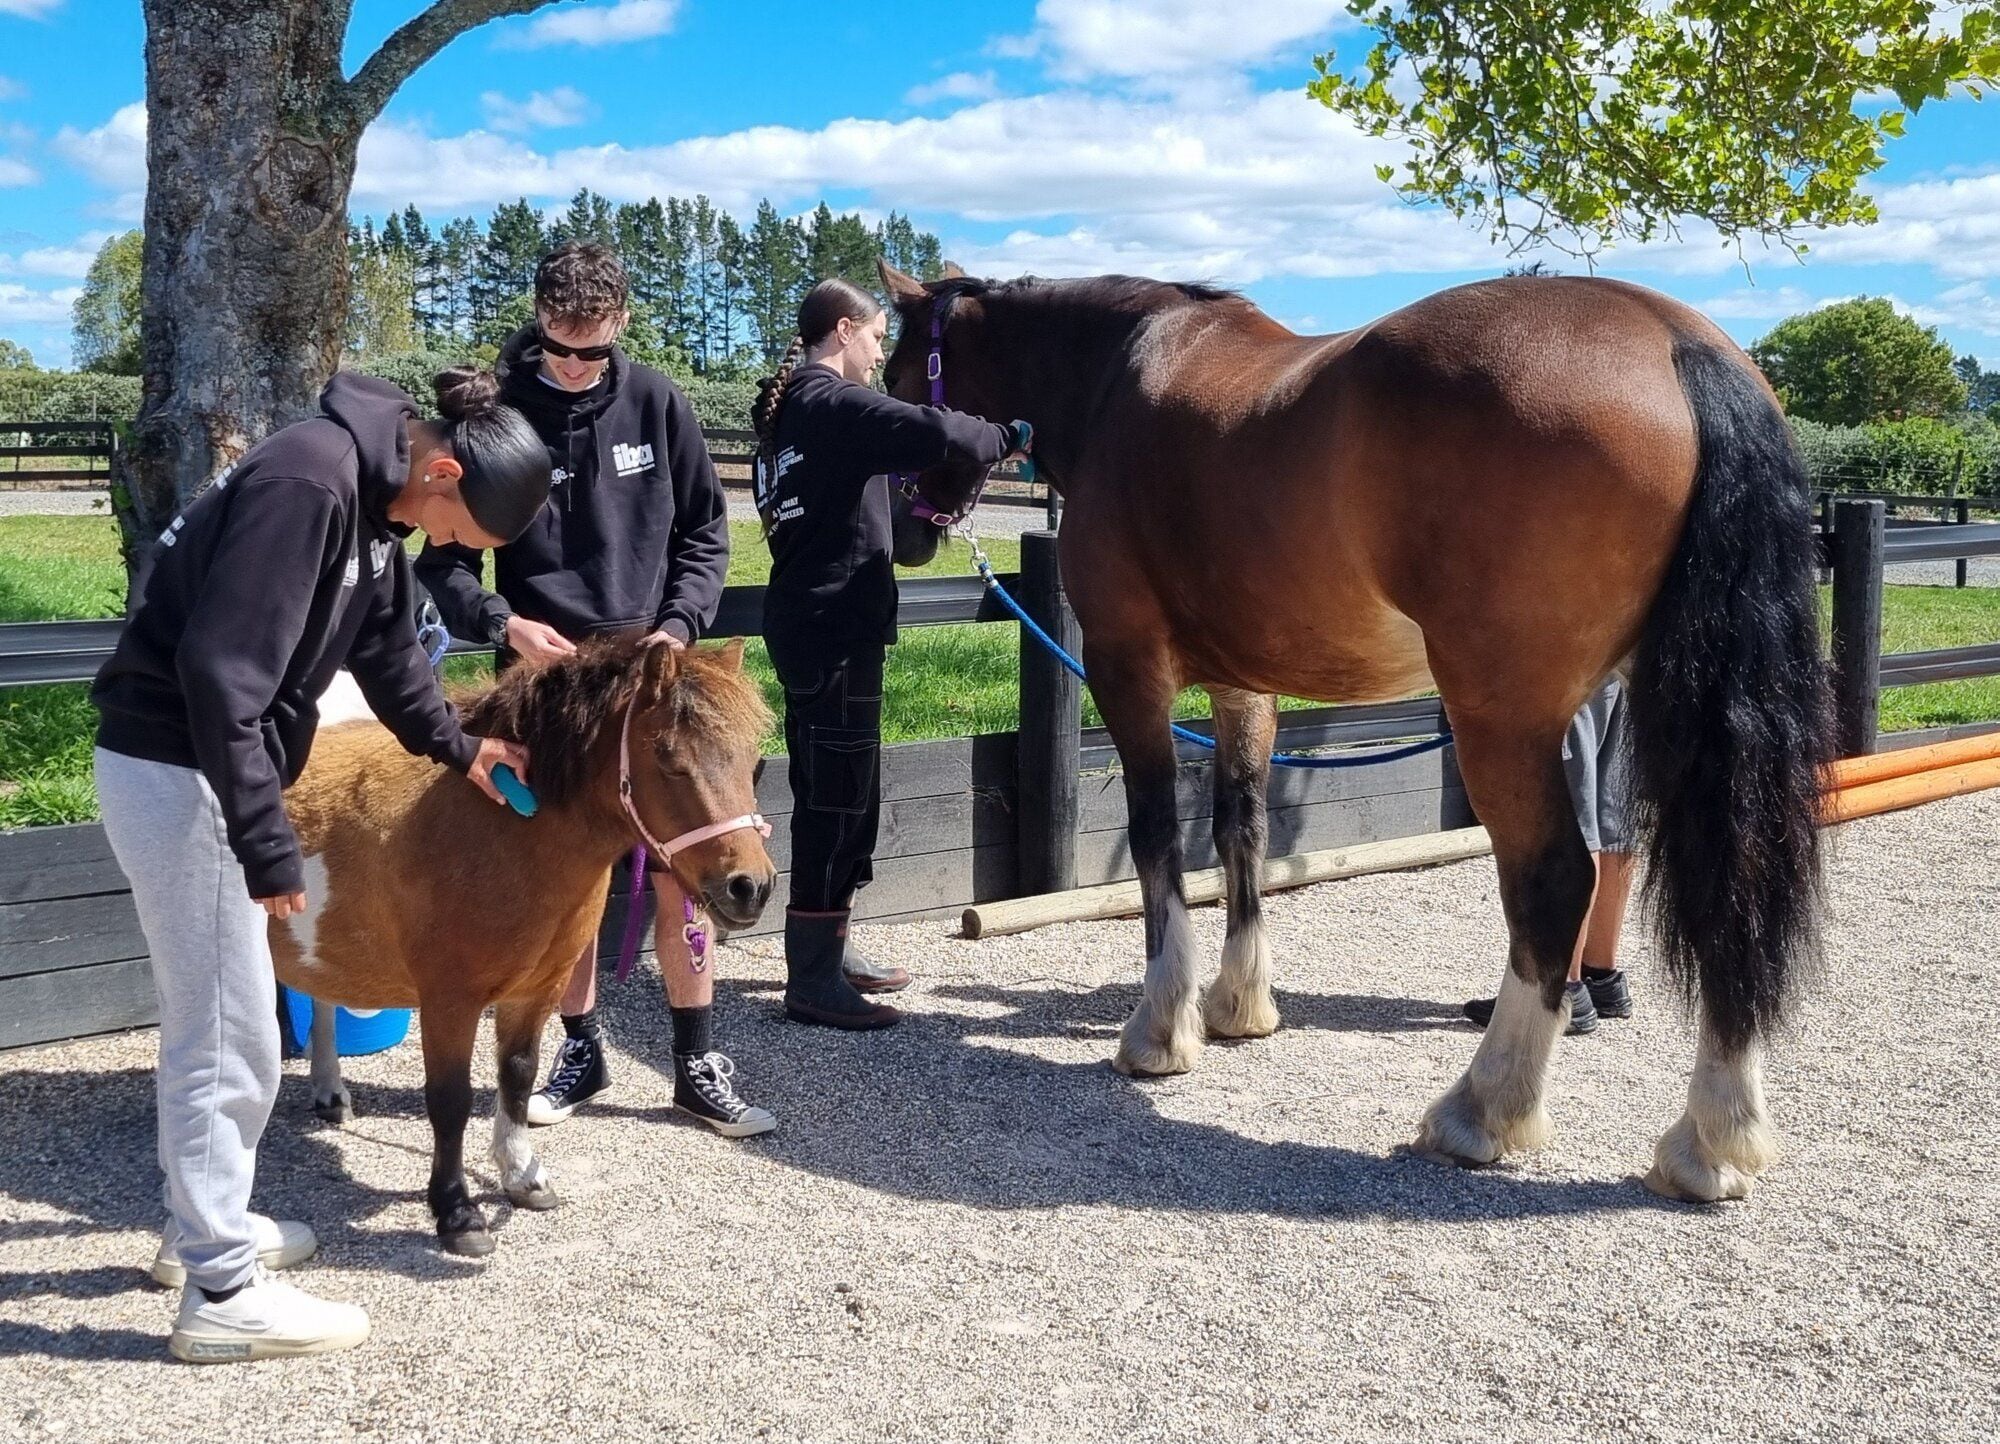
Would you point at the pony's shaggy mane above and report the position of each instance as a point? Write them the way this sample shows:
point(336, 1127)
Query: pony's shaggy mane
point(560, 711)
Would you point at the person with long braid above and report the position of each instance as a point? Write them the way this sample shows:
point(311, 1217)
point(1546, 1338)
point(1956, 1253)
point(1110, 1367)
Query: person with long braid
point(825, 442)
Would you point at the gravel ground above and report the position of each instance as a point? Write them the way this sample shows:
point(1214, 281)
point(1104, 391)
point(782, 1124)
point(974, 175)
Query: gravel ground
point(54, 503)
point(970, 1228)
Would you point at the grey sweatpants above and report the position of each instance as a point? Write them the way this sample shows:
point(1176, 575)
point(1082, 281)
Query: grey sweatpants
point(218, 1075)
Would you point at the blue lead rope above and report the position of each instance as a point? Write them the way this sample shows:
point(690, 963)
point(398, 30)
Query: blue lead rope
point(1283, 759)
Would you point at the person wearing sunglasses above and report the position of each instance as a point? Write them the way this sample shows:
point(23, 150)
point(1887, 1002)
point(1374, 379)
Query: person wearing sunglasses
point(635, 538)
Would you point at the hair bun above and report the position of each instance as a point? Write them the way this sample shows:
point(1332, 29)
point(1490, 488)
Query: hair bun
point(466, 391)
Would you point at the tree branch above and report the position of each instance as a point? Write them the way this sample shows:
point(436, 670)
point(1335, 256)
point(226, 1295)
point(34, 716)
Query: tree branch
point(360, 100)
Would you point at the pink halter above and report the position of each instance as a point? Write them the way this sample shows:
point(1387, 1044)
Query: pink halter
point(691, 929)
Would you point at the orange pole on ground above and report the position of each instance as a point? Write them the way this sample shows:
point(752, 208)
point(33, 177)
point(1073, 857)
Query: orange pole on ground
point(1867, 799)
point(1880, 766)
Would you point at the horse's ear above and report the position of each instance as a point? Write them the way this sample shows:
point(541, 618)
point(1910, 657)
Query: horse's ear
point(953, 271)
point(658, 665)
point(903, 289)
point(731, 653)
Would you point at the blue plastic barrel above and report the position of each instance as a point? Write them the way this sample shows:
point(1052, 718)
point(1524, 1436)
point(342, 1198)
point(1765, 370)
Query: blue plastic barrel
point(355, 1030)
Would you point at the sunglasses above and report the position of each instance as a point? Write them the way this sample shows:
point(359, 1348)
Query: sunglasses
point(573, 353)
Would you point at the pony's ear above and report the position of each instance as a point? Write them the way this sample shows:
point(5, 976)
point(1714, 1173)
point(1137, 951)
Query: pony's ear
point(953, 271)
point(658, 665)
point(731, 653)
point(903, 289)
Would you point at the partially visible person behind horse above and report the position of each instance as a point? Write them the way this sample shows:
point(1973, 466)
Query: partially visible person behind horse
point(283, 570)
point(1597, 762)
point(635, 538)
point(1509, 490)
point(825, 439)
point(431, 904)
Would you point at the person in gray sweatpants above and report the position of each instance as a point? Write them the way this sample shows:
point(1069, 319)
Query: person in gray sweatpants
point(284, 570)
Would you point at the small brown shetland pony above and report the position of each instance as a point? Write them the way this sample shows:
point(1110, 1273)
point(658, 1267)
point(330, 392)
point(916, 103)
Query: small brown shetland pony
point(1509, 490)
point(425, 895)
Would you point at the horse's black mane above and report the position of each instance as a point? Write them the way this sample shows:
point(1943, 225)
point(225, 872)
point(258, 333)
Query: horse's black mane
point(1116, 293)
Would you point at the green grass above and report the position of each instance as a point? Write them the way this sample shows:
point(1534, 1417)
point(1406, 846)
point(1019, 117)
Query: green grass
point(941, 681)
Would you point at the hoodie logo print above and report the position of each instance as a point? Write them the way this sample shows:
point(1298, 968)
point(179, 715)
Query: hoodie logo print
point(629, 459)
point(378, 556)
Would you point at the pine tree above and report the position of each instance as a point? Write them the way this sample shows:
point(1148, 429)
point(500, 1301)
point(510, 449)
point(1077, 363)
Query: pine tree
point(774, 280)
point(514, 244)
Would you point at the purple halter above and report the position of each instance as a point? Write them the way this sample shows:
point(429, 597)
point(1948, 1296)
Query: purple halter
point(906, 481)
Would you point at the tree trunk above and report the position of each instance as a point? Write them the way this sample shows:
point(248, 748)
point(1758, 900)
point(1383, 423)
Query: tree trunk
point(251, 135)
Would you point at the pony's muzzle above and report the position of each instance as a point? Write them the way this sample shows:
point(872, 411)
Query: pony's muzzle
point(740, 901)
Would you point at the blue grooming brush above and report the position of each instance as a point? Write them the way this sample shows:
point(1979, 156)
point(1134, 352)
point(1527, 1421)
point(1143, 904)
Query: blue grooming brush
point(514, 790)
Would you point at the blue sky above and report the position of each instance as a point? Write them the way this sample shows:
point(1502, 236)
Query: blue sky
point(1062, 137)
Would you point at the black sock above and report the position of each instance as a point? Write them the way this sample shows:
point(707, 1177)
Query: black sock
point(694, 1030)
point(221, 1296)
point(1598, 973)
point(581, 1025)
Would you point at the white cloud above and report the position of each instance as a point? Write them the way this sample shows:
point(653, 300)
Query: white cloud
point(114, 153)
point(70, 262)
point(614, 24)
point(26, 306)
point(963, 85)
point(1154, 39)
point(29, 9)
point(1760, 303)
point(1951, 225)
point(12, 89)
point(543, 110)
point(17, 172)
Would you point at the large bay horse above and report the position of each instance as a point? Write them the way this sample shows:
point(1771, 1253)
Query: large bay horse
point(425, 895)
point(1509, 490)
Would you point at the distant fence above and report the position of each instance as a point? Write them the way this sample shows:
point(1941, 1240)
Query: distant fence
point(90, 449)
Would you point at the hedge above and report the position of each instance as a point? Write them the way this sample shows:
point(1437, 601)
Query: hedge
point(1919, 456)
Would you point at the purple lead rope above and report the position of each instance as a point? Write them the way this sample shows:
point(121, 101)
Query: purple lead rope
point(692, 932)
point(635, 915)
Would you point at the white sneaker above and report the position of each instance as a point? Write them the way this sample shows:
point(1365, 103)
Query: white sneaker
point(279, 1246)
point(265, 1319)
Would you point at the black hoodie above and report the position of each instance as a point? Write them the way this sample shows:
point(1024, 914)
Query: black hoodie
point(636, 531)
point(285, 569)
point(831, 541)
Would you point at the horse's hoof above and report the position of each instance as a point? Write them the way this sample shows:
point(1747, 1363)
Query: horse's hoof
point(1455, 1131)
point(469, 1243)
point(1683, 1168)
point(537, 1198)
point(1233, 1015)
point(337, 1111)
point(1142, 1055)
point(1156, 1060)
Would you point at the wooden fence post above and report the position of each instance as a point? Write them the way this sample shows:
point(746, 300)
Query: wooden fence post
point(1963, 510)
point(1858, 531)
point(1050, 747)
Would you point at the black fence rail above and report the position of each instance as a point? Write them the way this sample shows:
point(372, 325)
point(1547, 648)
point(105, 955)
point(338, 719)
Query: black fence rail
point(1856, 548)
point(91, 448)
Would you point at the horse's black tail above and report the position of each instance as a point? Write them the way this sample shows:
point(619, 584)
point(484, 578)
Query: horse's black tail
point(1731, 715)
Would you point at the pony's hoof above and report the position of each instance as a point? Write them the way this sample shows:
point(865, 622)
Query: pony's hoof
point(1229, 1014)
point(337, 1110)
point(1685, 1169)
point(536, 1197)
point(467, 1243)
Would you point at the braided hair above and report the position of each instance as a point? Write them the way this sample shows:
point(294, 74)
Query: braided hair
point(826, 305)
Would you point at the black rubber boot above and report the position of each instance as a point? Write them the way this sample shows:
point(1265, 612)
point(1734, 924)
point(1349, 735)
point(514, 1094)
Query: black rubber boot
point(865, 975)
point(816, 991)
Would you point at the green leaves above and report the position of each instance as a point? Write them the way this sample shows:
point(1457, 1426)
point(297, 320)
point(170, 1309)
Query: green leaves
point(1584, 122)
